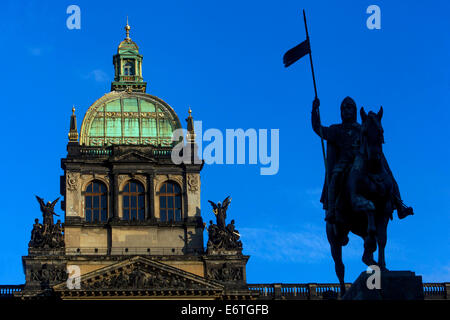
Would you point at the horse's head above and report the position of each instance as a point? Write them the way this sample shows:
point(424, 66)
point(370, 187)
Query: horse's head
point(372, 136)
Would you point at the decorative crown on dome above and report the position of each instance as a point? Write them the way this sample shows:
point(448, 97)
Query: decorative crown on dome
point(128, 66)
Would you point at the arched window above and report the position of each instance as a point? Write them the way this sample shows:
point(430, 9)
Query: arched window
point(170, 202)
point(95, 205)
point(133, 205)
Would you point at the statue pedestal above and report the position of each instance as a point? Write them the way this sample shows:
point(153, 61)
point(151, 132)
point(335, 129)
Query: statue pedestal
point(393, 285)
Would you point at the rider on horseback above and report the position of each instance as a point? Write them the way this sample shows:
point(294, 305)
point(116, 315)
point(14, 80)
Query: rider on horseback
point(343, 143)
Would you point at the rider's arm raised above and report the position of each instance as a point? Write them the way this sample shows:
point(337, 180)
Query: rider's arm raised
point(327, 133)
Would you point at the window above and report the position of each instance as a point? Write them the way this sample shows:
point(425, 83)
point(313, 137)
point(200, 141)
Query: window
point(95, 204)
point(128, 68)
point(170, 202)
point(133, 205)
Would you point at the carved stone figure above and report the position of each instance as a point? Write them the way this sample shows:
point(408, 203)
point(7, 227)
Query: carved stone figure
point(47, 235)
point(48, 273)
point(213, 236)
point(57, 234)
point(220, 235)
point(36, 234)
point(225, 272)
point(137, 278)
point(220, 210)
point(47, 211)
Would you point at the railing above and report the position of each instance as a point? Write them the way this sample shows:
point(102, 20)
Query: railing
point(104, 152)
point(435, 290)
point(95, 151)
point(265, 290)
point(156, 251)
point(295, 290)
point(7, 291)
point(311, 291)
point(300, 291)
point(162, 153)
point(327, 288)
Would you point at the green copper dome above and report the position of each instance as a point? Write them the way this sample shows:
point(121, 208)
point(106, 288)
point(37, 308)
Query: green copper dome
point(128, 115)
point(129, 118)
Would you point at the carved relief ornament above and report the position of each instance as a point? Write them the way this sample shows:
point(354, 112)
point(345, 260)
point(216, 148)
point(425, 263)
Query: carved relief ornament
point(193, 182)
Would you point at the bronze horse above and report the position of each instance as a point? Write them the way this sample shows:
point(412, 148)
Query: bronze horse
point(366, 199)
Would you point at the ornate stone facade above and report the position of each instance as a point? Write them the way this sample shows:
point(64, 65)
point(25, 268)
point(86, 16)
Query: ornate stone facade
point(193, 182)
point(119, 167)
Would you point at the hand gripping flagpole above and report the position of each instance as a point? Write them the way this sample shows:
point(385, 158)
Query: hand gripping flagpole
point(315, 93)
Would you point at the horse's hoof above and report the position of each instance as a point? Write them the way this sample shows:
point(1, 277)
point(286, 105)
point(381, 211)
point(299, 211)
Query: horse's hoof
point(368, 261)
point(367, 258)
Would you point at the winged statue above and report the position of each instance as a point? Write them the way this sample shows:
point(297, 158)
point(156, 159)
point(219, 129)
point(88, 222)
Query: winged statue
point(220, 210)
point(47, 210)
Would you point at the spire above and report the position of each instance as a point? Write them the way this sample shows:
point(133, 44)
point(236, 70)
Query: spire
point(192, 147)
point(127, 30)
point(73, 132)
point(190, 127)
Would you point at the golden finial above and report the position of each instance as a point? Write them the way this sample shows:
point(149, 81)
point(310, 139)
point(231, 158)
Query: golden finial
point(190, 126)
point(73, 109)
point(127, 30)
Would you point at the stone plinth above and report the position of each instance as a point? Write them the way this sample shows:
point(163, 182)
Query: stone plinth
point(394, 285)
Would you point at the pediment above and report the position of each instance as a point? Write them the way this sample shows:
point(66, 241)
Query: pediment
point(128, 51)
point(133, 155)
point(142, 274)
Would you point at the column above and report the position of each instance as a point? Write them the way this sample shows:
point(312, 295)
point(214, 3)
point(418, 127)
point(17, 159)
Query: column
point(115, 196)
point(150, 197)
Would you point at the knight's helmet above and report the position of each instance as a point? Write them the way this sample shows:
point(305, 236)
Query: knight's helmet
point(351, 102)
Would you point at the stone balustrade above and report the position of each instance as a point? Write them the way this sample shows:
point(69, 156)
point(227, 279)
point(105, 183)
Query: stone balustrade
point(318, 291)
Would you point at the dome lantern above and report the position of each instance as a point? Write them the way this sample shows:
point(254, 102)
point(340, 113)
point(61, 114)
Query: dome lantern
point(128, 66)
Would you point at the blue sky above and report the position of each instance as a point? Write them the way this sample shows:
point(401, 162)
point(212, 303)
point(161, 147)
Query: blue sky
point(224, 59)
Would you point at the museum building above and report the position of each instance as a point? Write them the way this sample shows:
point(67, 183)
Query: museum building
point(133, 225)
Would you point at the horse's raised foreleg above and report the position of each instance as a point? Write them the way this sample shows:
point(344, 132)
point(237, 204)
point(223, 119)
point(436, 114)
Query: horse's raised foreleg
point(336, 253)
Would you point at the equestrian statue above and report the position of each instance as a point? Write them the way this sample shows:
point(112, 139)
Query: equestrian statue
point(360, 192)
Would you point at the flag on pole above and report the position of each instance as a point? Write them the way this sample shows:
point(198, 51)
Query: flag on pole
point(297, 52)
point(290, 57)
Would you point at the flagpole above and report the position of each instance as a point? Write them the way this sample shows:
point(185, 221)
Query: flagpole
point(310, 54)
point(315, 93)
